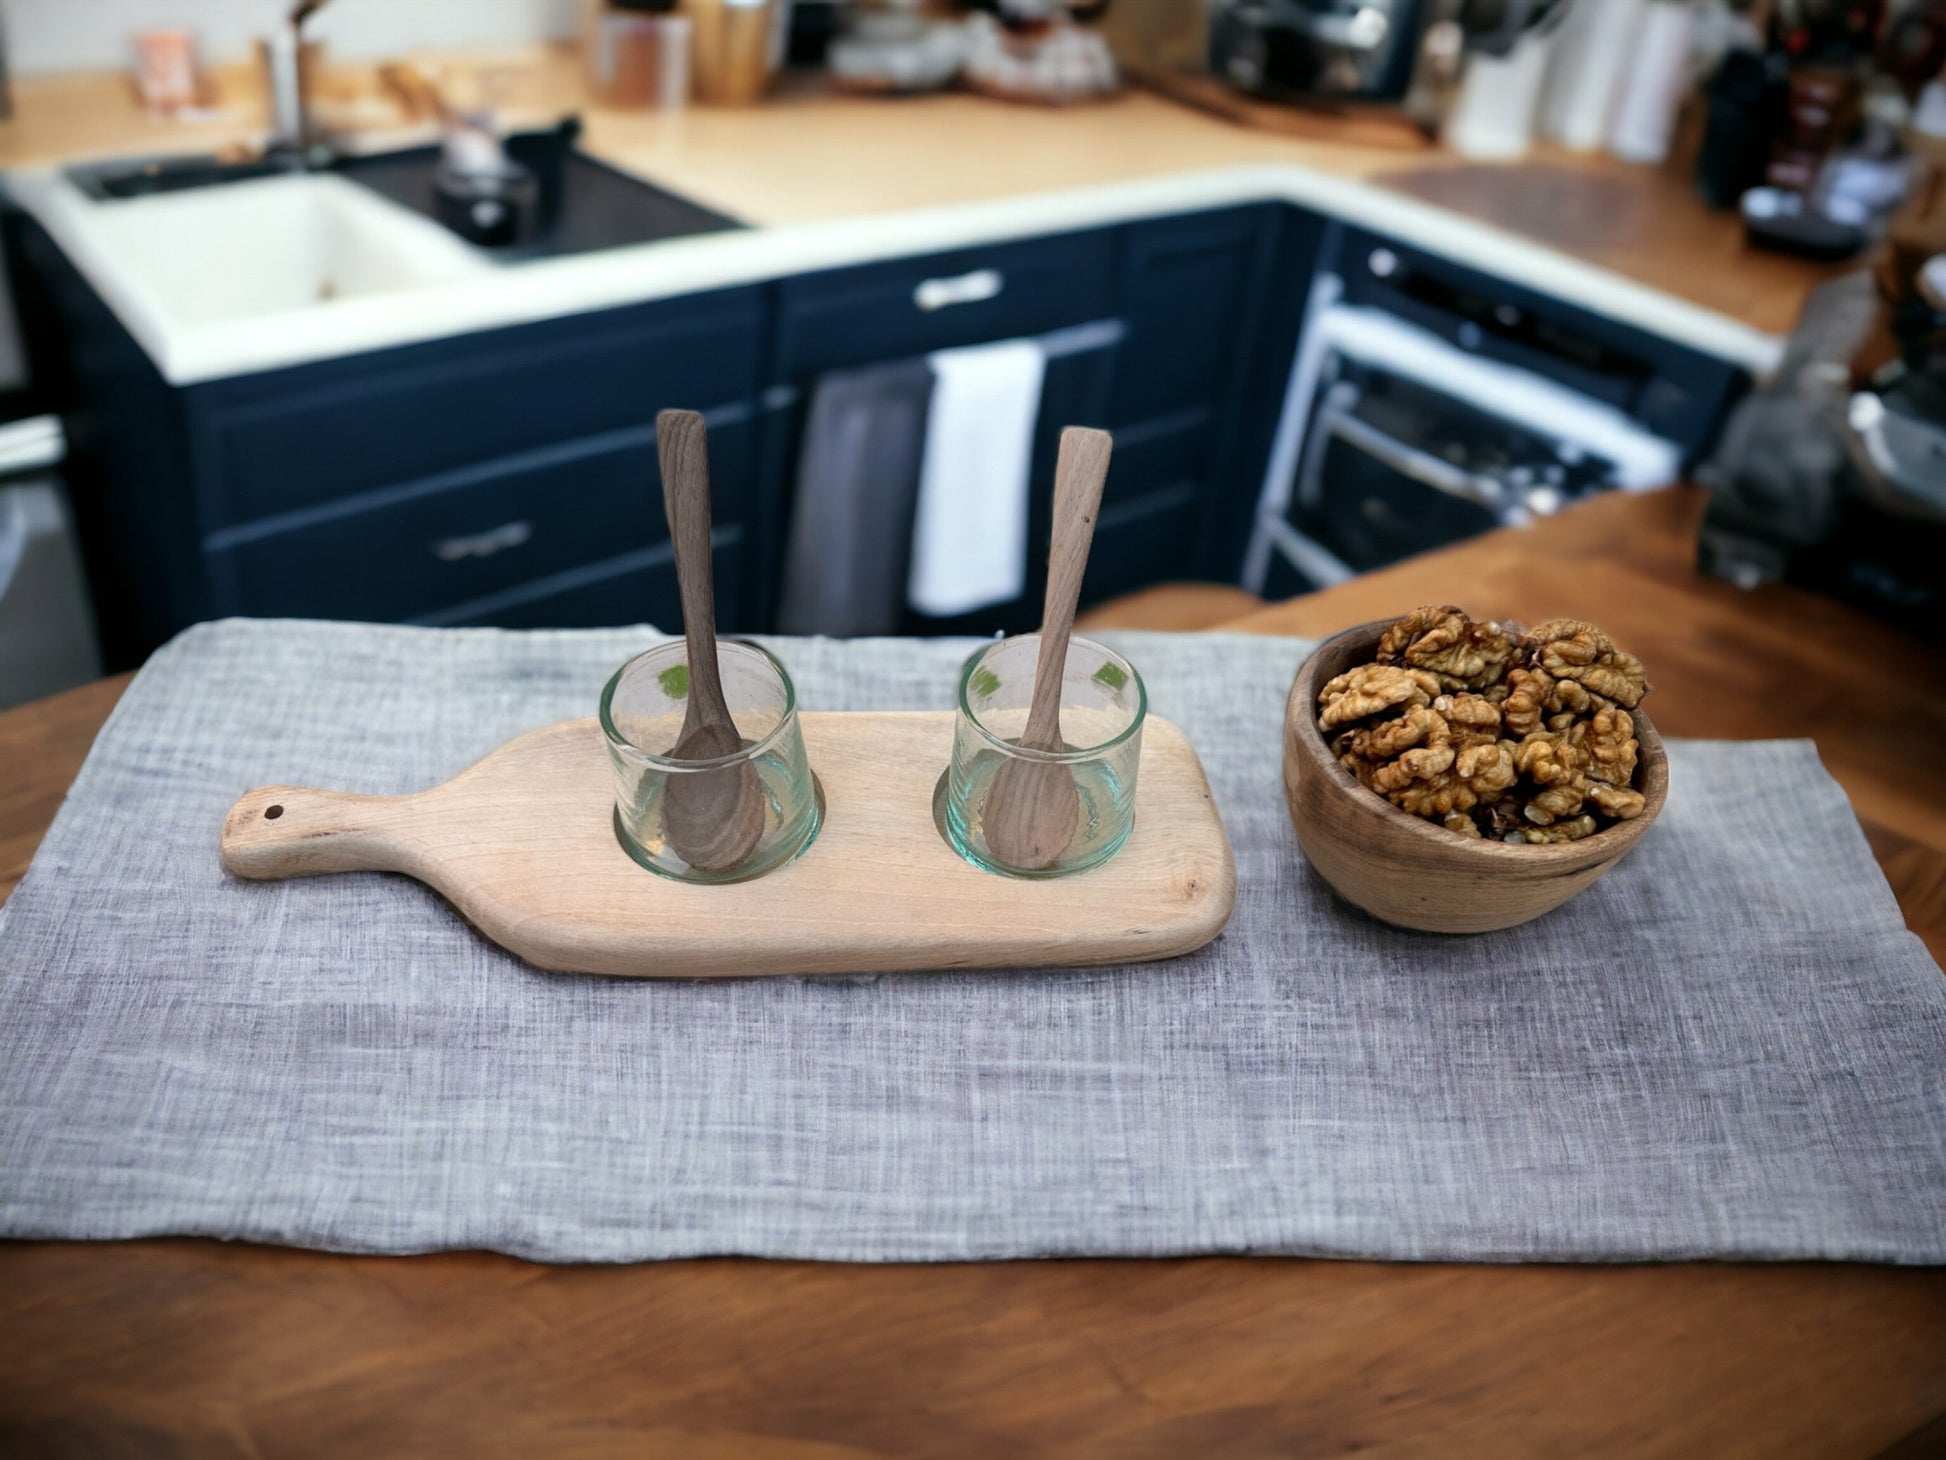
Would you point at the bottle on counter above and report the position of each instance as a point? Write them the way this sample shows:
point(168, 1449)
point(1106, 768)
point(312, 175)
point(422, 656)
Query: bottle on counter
point(1644, 123)
point(1495, 115)
point(1589, 71)
point(637, 53)
point(737, 46)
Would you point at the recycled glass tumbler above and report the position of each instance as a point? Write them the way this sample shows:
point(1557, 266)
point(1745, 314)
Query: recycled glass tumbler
point(642, 712)
point(1103, 705)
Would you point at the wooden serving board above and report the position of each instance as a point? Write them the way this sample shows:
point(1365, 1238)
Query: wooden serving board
point(523, 844)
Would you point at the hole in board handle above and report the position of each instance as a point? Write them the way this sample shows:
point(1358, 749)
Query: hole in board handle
point(271, 813)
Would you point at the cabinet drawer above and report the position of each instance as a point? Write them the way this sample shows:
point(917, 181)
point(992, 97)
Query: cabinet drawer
point(887, 311)
point(637, 589)
point(497, 527)
point(299, 438)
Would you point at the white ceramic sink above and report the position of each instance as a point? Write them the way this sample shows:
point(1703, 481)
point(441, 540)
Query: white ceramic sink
point(271, 246)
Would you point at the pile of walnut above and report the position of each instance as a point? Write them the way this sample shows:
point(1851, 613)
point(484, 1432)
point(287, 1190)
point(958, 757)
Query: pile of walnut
point(1525, 737)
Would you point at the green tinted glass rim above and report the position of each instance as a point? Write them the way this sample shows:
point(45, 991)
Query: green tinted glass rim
point(1076, 756)
point(785, 722)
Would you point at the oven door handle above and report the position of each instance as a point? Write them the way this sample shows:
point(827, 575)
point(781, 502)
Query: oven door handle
point(1421, 466)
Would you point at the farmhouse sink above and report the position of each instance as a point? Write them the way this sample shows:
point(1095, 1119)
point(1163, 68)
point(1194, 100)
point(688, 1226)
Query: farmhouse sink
point(221, 268)
point(271, 246)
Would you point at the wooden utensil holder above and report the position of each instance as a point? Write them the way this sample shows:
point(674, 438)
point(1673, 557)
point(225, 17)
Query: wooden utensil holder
point(523, 845)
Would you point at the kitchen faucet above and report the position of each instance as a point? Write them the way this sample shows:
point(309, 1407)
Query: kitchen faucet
point(290, 109)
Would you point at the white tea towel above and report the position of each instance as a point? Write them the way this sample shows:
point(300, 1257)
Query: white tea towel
point(969, 539)
point(849, 547)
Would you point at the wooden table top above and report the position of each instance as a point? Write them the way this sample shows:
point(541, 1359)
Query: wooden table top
point(194, 1347)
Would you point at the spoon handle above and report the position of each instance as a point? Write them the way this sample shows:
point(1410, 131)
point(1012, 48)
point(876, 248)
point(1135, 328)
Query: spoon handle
point(681, 446)
point(1079, 472)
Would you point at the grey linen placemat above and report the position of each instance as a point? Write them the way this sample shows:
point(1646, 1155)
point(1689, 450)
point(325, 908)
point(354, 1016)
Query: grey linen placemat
point(1730, 1047)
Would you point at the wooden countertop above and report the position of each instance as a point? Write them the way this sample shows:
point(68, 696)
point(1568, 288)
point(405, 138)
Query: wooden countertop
point(193, 1347)
point(810, 155)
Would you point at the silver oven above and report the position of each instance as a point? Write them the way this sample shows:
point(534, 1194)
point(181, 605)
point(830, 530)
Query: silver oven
point(1395, 439)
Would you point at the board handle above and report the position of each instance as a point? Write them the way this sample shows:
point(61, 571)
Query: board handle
point(291, 831)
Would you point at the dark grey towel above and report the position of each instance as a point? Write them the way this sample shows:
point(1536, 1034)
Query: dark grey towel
point(1728, 1047)
point(850, 539)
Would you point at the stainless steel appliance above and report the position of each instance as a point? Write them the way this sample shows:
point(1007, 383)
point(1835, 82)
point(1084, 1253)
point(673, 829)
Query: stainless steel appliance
point(1365, 51)
point(1420, 412)
point(1344, 50)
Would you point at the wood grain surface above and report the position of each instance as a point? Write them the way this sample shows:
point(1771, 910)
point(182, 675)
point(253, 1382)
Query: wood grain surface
point(179, 1348)
point(42, 746)
point(522, 842)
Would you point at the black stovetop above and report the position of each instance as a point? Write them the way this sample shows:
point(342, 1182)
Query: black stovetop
point(584, 205)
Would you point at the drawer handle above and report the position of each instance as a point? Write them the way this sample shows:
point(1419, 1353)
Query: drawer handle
point(483, 544)
point(970, 288)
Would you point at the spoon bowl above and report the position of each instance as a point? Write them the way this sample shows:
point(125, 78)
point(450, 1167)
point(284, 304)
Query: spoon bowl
point(713, 818)
point(1032, 812)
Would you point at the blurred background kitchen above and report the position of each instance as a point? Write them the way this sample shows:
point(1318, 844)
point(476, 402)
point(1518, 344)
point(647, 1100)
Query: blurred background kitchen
point(365, 309)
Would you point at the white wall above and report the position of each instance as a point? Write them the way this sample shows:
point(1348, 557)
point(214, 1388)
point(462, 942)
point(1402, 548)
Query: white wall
point(65, 35)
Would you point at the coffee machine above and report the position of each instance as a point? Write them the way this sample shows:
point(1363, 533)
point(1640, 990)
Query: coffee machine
point(1318, 50)
point(1369, 52)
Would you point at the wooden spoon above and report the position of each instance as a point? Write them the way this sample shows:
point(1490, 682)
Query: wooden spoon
point(712, 818)
point(1032, 806)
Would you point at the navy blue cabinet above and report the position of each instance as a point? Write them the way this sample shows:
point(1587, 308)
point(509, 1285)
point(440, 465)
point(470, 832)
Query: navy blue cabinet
point(857, 316)
point(288, 439)
point(436, 547)
point(1180, 298)
point(505, 478)
point(509, 477)
point(1200, 322)
point(1046, 289)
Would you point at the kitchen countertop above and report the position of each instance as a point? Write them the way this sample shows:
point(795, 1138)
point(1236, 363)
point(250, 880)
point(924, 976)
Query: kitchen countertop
point(828, 179)
point(200, 1347)
point(811, 156)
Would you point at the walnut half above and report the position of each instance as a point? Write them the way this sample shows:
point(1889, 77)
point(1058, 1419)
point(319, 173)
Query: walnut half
point(1521, 738)
point(1443, 641)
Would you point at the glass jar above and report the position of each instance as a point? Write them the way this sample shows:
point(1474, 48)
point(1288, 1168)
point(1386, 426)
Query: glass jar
point(642, 711)
point(1103, 705)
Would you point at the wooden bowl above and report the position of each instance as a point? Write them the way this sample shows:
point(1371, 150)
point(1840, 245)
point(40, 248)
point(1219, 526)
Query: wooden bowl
point(1413, 873)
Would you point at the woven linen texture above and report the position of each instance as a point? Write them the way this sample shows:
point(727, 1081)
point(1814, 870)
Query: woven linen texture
point(1729, 1047)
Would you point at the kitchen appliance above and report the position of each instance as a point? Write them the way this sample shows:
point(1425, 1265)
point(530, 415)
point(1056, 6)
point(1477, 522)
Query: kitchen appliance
point(1839, 485)
point(577, 204)
point(1359, 51)
point(47, 630)
point(1421, 411)
point(1343, 50)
